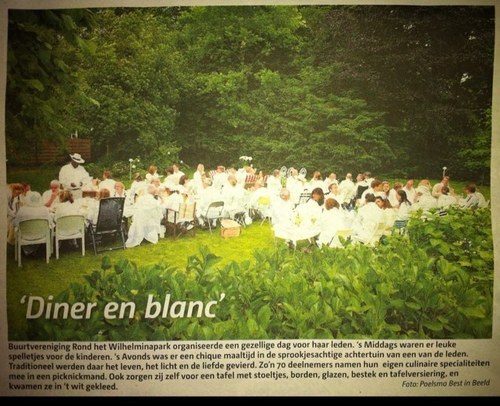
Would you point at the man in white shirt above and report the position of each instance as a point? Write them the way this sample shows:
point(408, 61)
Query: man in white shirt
point(73, 176)
point(410, 190)
point(347, 187)
point(438, 187)
point(50, 198)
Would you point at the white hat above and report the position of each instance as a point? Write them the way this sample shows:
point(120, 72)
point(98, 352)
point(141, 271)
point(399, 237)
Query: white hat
point(33, 199)
point(77, 158)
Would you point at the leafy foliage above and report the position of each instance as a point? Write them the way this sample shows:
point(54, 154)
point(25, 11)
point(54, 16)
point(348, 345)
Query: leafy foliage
point(42, 84)
point(397, 90)
point(440, 285)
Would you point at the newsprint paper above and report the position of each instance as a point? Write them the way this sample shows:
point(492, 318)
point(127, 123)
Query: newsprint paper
point(50, 345)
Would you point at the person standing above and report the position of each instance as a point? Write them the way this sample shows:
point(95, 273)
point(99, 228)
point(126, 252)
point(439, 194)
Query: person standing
point(73, 176)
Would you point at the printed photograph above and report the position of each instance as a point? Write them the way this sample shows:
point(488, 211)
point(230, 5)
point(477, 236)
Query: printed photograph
point(249, 172)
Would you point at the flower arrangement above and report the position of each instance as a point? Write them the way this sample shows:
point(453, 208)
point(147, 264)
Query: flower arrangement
point(246, 159)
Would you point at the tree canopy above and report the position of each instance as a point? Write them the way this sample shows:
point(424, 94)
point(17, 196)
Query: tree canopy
point(396, 90)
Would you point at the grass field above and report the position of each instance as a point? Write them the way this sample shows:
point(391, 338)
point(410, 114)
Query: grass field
point(35, 277)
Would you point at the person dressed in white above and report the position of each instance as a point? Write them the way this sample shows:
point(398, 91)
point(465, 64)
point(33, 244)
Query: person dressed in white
point(152, 174)
point(367, 220)
point(219, 178)
point(260, 200)
point(137, 188)
point(410, 190)
point(282, 213)
point(424, 199)
point(471, 200)
point(347, 188)
point(233, 196)
point(331, 221)
point(107, 182)
point(335, 193)
point(438, 187)
point(393, 194)
point(173, 202)
point(332, 178)
point(66, 206)
point(317, 181)
point(307, 215)
point(32, 209)
point(177, 173)
point(375, 189)
point(146, 220)
point(389, 214)
point(198, 176)
point(207, 195)
point(50, 198)
point(446, 199)
point(404, 206)
point(294, 185)
point(274, 183)
point(73, 175)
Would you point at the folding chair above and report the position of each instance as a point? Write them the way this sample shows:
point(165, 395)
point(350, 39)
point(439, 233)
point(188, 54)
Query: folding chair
point(304, 198)
point(213, 213)
point(109, 222)
point(33, 232)
point(70, 228)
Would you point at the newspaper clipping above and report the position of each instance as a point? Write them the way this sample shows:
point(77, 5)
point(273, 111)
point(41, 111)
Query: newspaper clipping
point(249, 198)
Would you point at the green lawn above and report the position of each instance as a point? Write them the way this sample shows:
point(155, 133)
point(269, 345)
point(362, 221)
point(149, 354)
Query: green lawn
point(35, 277)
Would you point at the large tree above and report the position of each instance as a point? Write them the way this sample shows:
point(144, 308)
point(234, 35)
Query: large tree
point(136, 75)
point(429, 69)
point(42, 82)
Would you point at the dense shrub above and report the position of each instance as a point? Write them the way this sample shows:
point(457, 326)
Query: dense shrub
point(434, 282)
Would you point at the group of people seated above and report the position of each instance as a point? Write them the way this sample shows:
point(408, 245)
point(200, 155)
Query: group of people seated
point(298, 208)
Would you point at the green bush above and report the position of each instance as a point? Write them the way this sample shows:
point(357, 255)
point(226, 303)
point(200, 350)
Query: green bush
point(435, 282)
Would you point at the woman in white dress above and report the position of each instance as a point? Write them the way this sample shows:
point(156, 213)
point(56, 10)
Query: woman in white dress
point(331, 220)
point(404, 206)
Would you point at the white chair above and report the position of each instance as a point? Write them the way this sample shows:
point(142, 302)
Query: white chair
point(32, 232)
point(70, 228)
